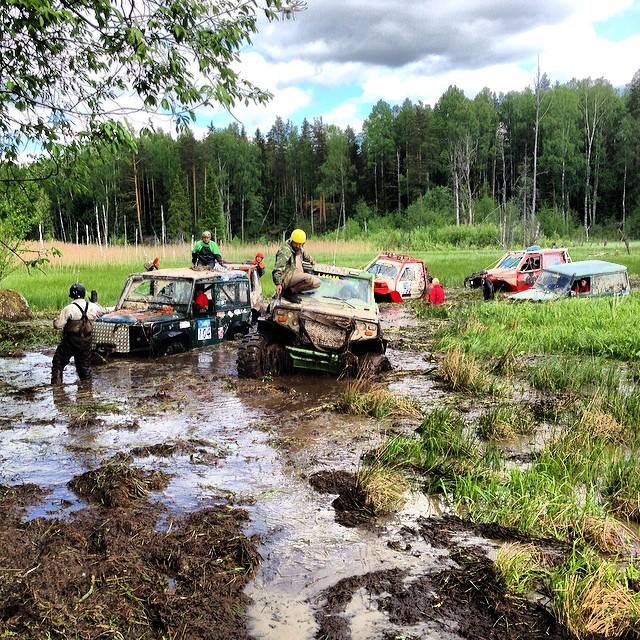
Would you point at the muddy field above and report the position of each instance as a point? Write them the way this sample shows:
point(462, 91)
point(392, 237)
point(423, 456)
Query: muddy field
point(169, 499)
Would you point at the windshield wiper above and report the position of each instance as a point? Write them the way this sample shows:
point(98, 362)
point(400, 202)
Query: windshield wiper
point(341, 300)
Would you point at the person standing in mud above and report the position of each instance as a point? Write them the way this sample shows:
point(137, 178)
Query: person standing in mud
point(288, 273)
point(76, 322)
point(205, 252)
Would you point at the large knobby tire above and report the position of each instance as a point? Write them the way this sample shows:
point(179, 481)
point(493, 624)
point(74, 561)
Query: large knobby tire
point(259, 357)
point(373, 364)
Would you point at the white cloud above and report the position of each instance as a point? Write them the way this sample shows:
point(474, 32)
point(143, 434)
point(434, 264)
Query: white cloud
point(345, 115)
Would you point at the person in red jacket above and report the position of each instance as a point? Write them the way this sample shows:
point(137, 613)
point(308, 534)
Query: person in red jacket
point(436, 292)
point(201, 301)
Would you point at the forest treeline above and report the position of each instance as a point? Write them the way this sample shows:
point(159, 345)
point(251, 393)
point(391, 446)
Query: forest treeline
point(554, 161)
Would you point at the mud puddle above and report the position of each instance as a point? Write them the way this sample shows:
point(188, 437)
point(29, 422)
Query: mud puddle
point(221, 440)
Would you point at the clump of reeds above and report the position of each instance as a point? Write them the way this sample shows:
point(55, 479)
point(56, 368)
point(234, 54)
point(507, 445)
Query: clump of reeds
point(506, 421)
point(383, 488)
point(363, 397)
point(623, 487)
point(591, 597)
point(464, 373)
point(518, 566)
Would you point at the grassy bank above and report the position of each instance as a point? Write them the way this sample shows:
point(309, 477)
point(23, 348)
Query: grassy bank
point(104, 269)
point(598, 327)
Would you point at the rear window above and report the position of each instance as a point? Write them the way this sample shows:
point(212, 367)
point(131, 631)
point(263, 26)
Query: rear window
point(551, 259)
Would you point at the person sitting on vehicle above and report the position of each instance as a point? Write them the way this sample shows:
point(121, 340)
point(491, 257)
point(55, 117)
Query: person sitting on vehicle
point(258, 261)
point(288, 273)
point(152, 265)
point(76, 322)
point(581, 286)
point(436, 292)
point(205, 252)
point(200, 301)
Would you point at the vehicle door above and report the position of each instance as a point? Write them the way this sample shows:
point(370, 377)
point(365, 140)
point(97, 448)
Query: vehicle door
point(203, 322)
point(528, 271)
point(232, 306)
point(412, 281)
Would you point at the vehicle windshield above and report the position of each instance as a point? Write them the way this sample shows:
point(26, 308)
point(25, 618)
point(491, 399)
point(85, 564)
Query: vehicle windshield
point(156, 293)
point(354, 292)
point(552, 281)
point(510, 261)
point(383, 269)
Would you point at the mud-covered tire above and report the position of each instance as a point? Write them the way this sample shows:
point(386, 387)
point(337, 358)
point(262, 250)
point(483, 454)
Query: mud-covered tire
point(373, 364)
point(259, 357)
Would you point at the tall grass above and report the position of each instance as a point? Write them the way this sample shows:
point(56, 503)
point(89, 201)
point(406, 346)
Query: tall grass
point(598, 327)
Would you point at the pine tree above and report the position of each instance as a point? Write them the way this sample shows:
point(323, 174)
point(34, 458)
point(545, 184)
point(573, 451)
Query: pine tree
point(212, 216)
point(179, 214)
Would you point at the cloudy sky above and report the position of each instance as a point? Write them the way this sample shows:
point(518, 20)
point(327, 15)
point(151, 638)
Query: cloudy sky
point(339, 57)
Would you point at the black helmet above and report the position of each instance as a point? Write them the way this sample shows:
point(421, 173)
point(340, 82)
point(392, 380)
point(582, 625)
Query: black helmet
point(77, 290)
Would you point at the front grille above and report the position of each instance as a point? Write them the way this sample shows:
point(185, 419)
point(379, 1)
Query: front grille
point(325, 334)
point(112, 335)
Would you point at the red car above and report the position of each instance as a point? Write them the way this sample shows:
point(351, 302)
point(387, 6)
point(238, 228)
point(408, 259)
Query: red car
point(516, 270)
point(398, 277)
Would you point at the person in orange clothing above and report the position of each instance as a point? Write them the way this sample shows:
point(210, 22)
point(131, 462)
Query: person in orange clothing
point(258, 261)
point(436, 292)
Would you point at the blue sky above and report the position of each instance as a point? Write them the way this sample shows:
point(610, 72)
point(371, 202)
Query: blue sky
point(339, 57)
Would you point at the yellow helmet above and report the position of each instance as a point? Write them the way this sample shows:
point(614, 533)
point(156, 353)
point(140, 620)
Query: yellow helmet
point(298, 236)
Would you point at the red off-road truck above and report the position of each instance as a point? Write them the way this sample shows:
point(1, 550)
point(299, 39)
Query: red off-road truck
point(516, 270)
point(398, 277)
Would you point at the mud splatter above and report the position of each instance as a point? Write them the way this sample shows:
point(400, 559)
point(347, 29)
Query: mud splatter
point(110, 572)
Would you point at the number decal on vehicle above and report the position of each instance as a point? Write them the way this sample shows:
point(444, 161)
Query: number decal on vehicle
point(204, 330)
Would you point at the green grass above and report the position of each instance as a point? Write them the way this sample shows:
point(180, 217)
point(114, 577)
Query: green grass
point(603, 327)
point(506, 421)
point(576, 375)
point(48, 290)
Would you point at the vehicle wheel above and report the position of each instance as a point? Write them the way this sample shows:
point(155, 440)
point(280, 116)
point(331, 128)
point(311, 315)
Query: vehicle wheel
point(171, 347)
point(258, 357)
point(372, 364)
point(488, 290)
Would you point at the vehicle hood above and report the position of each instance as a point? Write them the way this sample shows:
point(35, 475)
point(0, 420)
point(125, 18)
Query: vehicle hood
point(536, 295)
point(501, 274)
point(124, 316)
point(368, 314)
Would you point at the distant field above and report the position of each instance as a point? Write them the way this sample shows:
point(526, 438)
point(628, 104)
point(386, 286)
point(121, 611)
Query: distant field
point(104, 269)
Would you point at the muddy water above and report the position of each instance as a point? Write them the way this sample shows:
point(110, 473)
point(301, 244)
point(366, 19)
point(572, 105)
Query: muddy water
point(258, 443)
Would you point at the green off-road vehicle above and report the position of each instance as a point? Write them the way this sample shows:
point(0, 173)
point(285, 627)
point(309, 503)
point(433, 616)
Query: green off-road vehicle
point(157, 315)
point(334, 328)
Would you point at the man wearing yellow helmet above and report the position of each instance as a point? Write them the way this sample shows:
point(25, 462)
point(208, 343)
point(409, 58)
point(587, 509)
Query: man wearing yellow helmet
point(288, 272)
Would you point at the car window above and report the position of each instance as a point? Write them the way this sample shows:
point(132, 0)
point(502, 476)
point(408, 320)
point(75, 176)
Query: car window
point(350, 290)
point(509, 261)
point(551, 259)
point(231, 295)
point(531, 263)
point(409, 273)
point(383, 269)
point(151, 293)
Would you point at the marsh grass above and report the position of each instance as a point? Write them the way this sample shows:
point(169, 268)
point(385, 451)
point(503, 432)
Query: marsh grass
point(464, 373)
point(363, 397)
point(574, 375)
point(592, 597)
point(623, 487)
point(518, 568)
point(506, 421)
point(594, 327)
point(383, 488)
